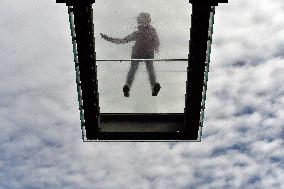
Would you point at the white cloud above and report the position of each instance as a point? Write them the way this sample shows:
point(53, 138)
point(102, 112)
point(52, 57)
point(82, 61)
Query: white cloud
point(242, 142)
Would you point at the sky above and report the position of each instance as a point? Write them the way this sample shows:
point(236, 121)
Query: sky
point(243, 131)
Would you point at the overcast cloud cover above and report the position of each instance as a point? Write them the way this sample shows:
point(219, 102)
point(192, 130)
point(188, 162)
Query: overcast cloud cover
point(242, 142)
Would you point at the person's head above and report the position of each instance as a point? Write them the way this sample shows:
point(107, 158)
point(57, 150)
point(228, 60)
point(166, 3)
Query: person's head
point(143, 18)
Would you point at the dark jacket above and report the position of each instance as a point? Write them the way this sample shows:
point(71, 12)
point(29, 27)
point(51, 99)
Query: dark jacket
point(146, 42)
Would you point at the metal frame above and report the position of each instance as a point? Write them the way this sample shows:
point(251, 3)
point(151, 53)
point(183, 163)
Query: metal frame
point(202, 19)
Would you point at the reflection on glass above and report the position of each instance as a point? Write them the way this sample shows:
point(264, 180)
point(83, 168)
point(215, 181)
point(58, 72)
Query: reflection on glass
point(148, 30)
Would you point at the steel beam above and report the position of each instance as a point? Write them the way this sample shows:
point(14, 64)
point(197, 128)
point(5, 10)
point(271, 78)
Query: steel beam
point(83, 20)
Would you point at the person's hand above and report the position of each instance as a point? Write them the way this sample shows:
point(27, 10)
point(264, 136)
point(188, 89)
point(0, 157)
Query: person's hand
point(104, 36)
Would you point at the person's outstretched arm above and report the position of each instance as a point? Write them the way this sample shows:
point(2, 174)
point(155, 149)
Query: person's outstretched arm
point(127, 39)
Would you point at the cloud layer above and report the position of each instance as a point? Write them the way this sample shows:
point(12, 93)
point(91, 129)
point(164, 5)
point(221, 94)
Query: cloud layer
point(242, 142)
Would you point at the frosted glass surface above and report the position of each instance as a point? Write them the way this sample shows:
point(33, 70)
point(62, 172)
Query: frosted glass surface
point(117, 19)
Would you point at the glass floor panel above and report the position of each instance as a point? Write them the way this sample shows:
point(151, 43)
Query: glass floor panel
point(117, 18)
point(170, 99)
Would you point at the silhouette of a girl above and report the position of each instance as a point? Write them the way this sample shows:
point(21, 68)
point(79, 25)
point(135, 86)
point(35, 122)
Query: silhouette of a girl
point(146, 43)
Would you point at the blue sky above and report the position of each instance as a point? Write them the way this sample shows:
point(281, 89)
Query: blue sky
point(242, 141)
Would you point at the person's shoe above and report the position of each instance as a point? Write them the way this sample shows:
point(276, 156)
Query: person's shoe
point(156, 89)
point(126, 90)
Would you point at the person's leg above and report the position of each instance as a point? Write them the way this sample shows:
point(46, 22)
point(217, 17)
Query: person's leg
point(130, 77)
point(151, 72)
point(152, 77)
point(131, 73)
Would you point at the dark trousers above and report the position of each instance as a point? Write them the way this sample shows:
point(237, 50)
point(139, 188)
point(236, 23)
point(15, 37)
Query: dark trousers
point(133, 69)
point(141, 53)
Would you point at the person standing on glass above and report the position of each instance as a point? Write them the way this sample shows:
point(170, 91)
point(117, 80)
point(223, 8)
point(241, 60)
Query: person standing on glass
point(146, 43)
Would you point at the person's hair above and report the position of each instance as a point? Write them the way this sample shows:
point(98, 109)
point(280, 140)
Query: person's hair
point(143, 18)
